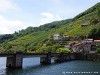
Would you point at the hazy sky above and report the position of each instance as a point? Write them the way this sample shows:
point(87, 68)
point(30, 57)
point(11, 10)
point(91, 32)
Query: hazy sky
point(20, 14)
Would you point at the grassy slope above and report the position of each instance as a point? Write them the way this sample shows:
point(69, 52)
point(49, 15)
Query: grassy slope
point(72, 29)
point(28, 40)
point(77, 29)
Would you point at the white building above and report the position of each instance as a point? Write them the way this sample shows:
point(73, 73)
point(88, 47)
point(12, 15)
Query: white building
point(57, 37)
point(87, 41)
point(60, 37)
point(85, 24)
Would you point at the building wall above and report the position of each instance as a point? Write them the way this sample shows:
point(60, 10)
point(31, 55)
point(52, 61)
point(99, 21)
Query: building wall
point(57, 37)
point(75, 49)
point(87, 49)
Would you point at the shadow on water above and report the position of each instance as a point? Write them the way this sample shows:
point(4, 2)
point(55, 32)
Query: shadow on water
point(29, 69)
point(29, 65)
point(32, 66)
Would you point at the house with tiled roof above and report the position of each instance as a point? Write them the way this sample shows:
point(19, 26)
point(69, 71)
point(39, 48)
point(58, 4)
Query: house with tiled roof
point(60, 37)
point(86, 46)
point(76, 48)
point(97, 42)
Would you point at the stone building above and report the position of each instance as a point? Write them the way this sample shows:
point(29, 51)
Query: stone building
point(86, 46)
point(57, 37)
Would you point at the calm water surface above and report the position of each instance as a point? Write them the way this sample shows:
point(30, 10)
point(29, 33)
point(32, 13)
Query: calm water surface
point(31, 66)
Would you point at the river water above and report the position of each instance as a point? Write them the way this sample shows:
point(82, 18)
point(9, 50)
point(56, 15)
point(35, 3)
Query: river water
point(32, 66)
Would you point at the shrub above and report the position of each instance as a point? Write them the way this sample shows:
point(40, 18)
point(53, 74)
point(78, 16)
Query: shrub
point(63, 50)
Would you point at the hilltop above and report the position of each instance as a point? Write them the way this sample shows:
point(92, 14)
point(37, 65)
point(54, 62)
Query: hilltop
point(40, 39)
point(83, 23)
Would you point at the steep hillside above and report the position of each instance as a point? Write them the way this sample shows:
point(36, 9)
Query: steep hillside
point(83, 23)
point(46, 27)
point(40, 39)
point(32, 38)
point(88, 11)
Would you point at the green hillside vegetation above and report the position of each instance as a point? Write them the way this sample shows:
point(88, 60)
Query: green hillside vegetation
point(63, 50)
point(40, 39)
point(90, 17)
point(88, 11)
point(46, 27)
point(32, 39)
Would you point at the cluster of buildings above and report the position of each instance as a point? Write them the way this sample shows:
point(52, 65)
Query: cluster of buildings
point(87, 46)
point(60, 37)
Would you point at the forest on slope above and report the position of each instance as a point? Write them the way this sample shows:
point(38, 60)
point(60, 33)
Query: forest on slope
point(40, 39)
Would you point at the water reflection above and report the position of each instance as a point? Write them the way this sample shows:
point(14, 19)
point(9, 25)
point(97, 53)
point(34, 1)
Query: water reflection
point(32, 66)
point(29, 67)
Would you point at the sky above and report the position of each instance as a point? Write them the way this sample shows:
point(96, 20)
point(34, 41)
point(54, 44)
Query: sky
point(20, 14)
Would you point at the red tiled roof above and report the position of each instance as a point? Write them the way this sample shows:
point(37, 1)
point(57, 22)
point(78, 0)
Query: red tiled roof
point(96, 40)
point(86, 45)
point(78, 44)
point(89, 39)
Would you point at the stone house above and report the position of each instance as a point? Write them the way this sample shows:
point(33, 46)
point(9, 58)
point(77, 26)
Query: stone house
point(66, 37)
point(60, 37)
point(87, 41)
point(57, 37)
point(86, 46)
point(84, 25)
point(76, 47)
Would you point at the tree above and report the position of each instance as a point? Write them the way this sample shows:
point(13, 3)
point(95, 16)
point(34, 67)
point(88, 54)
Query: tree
point(98, 14)
point(98, 50)
point(6, 47)
point(63, 50)
point(92, 33)
point(94, 20)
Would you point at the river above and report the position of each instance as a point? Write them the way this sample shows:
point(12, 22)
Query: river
point(32, 66)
